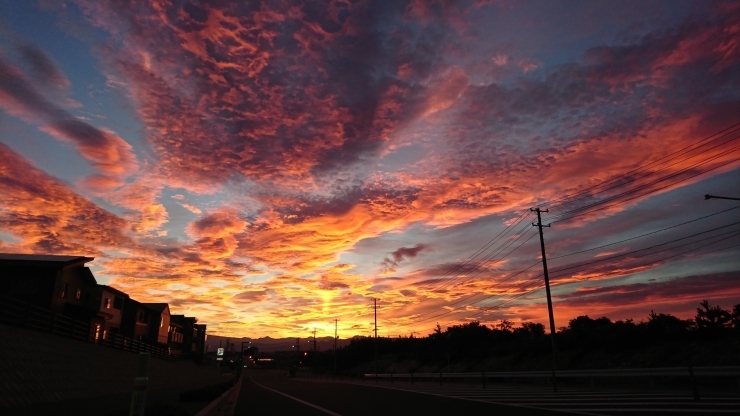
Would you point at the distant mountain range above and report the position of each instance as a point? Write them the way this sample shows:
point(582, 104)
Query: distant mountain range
point(268, 344)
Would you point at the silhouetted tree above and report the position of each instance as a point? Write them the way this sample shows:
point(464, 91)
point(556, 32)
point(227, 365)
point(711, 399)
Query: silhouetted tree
point(530, 330)
point(712, 318)
point(505, 325)
point(736, 316)
point(583, 332)
point(666, 326)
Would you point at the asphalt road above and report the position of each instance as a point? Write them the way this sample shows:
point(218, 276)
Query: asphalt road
point(271, 393)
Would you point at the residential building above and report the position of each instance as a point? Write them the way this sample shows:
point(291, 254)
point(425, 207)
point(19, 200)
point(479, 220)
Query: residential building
point(60, 283)
point(175, 337)
point(199, 341)
point(111, 303)
point(160, 330)
point(137, 321)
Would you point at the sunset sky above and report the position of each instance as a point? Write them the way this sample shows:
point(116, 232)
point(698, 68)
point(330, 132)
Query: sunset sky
point(272, 166)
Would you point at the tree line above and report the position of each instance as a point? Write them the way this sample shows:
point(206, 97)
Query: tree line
point(663, 339)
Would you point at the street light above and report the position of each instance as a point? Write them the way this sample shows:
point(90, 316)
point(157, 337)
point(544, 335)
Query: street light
point(707, 196)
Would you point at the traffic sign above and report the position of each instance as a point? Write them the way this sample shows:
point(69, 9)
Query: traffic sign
point(220, 351)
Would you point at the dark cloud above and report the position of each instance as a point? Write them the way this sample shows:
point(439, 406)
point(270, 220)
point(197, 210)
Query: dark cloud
point(712, 285)
point(403, 253)
point(42, 67)
point(302, 95)
point(106, 151)
point(613, 91)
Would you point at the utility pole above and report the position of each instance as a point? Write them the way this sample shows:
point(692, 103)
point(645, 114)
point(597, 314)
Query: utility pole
point(375, 307)
point(539, 225)
point(313, 358)
point(336, 323)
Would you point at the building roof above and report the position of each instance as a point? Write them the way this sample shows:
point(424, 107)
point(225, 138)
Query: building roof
point(182, 319)
point(44, 259)
point(87, 277)
point(113, 290)
point(159, 307)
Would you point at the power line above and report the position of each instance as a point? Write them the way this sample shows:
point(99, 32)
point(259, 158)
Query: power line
point(562, 217)
point(562, 256)
point(479, 263)
point(558, 273)
point(644, 235)
point(644, 249)
point(612, 273)
point(658, 260)
point(498, 282)
point(478, 252)
point(686, 149)
point(490, 257)
point(674, 157)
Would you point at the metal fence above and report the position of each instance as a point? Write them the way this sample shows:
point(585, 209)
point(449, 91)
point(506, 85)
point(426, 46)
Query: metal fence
point(643, 373)
point(25, 315)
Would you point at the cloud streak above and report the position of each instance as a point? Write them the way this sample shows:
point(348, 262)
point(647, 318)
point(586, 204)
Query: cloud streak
point(106, 151)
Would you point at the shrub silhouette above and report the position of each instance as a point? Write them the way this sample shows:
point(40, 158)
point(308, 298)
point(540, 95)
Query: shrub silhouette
point(712, 318)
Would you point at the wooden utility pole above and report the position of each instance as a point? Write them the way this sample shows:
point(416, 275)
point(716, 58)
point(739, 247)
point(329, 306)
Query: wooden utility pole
point(375, 307)
point(336, 323)
point(539, 225)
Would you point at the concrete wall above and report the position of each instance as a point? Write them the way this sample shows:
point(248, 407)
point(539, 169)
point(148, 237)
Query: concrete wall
point(36, 367)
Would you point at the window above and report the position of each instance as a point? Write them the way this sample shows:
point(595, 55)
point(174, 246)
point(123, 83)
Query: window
point(142, 316)
point(161, 321)
point(97, 331)
point(64, 290)
point(79, 293)
point(118, 303)
point(106, 302)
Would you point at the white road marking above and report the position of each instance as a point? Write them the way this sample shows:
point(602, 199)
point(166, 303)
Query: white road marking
point(327, 411)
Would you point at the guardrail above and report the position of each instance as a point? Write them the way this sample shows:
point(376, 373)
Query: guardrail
point(651, 373)
point(630, 372)
point(16, 313)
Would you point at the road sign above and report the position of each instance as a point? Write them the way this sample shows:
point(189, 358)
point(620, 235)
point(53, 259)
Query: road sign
point(220, 351)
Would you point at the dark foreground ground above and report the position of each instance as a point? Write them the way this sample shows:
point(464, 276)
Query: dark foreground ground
point(259, 396)
point(271, 393)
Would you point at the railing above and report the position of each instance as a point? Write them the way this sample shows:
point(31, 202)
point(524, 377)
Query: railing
point(631, 372)
point(16, 313)
point(648, 373)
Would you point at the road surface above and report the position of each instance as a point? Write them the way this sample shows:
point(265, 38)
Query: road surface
point(271, 393)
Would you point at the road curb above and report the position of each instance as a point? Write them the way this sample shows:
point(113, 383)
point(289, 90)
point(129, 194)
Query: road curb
point(224, 405)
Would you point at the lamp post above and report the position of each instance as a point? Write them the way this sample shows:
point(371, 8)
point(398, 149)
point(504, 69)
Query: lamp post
point(707, 196)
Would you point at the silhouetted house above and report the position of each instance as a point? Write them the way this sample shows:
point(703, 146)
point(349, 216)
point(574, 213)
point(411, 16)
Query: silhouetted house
point(111, 303)
point(199, 341)
point(60, 283)
point(160, 330)
point(193, 335)
point(137, 321)
point(176, 336)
